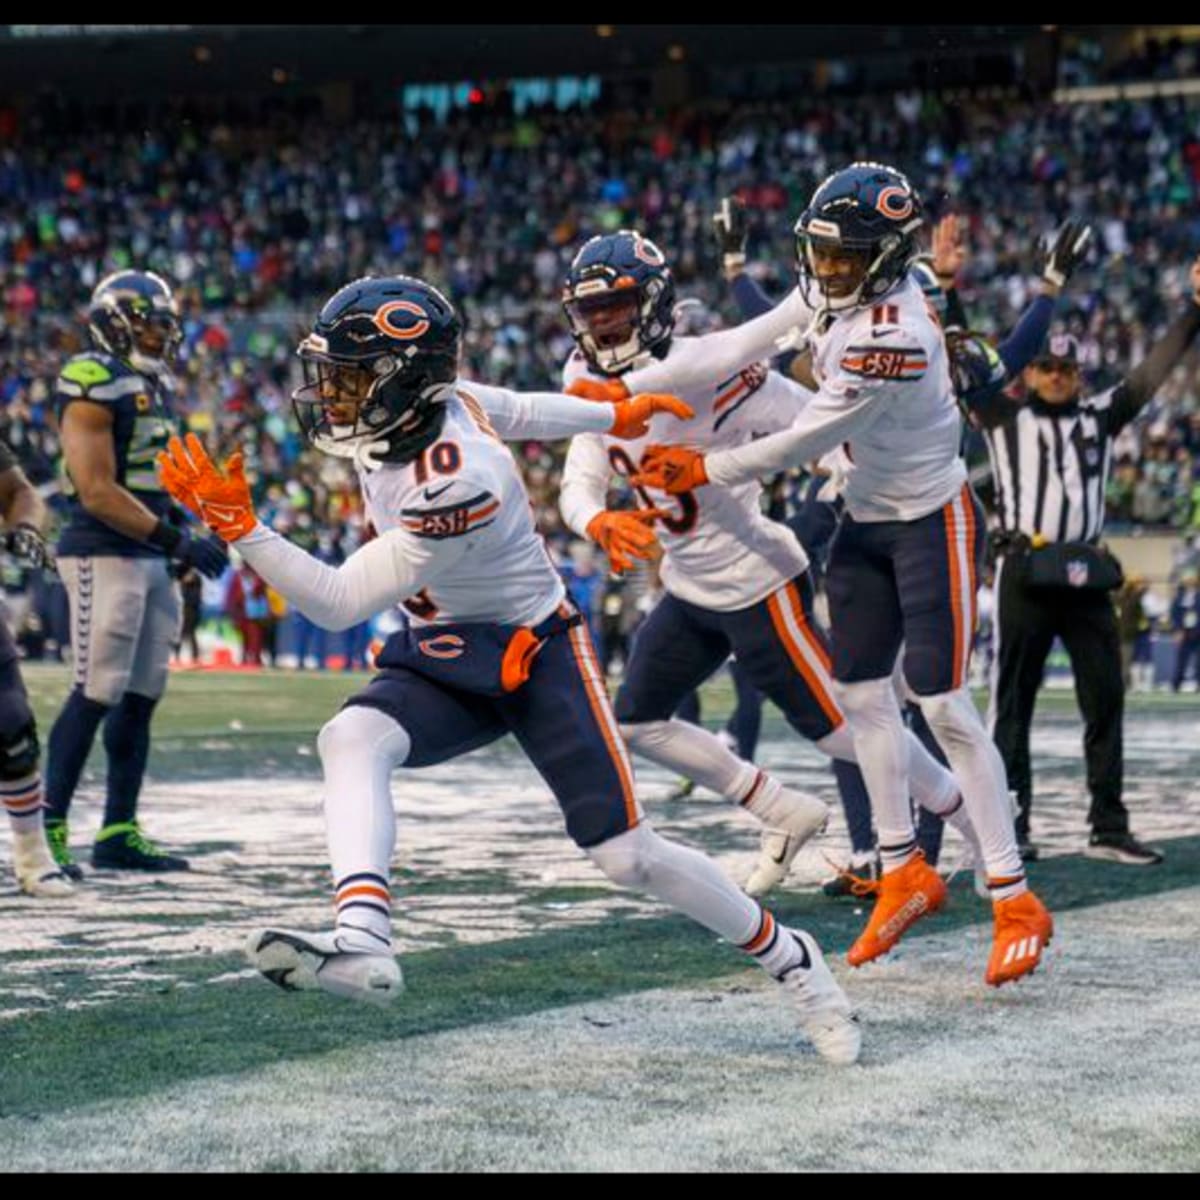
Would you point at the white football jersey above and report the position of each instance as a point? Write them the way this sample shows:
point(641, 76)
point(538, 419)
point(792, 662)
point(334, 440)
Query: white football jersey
point(467, 488)
point(720, 551)
point(457, 540)
point(885, 397)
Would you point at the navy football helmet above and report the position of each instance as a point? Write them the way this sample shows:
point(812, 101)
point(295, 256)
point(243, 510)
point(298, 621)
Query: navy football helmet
point(379, 364)
point(619, 298)
point(857, 236)
point(133, 316)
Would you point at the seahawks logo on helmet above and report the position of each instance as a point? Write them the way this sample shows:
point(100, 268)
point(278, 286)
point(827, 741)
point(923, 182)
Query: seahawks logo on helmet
point(133, 316)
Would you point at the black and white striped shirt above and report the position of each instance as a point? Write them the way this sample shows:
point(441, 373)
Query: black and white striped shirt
point(1050, 463)
point(1050, 466)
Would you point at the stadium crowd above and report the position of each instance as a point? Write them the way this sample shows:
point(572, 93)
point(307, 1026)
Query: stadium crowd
point(255, 219)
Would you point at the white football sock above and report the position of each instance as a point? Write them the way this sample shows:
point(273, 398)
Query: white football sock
point(359, 749)
point(980, 773)
point(881, 744)
point(693, 753)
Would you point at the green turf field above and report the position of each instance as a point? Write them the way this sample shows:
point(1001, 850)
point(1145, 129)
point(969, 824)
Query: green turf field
point(551, 1022)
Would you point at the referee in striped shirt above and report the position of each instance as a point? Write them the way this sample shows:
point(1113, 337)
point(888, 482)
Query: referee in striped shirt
point(1050, 461)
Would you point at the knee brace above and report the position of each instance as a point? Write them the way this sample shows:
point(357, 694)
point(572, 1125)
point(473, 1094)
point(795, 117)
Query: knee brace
point(19, 752)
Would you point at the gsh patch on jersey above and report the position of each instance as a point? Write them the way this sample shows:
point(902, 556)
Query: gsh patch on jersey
point(885, 362)
point(453, 520)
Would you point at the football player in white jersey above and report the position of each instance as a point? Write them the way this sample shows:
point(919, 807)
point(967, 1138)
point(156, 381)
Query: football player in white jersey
point(734, 580)
point(903, 566)
point(494, 646)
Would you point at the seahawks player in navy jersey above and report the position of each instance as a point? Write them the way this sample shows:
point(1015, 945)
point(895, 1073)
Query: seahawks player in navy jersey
point(119, 555)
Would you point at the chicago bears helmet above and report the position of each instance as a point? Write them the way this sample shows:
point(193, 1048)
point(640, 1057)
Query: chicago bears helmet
point(619, 298)
point(133, 315)
point(379, 364)
point(857, 236)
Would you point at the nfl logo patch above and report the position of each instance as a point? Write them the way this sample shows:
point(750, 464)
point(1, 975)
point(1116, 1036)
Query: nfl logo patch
point(1077, 573)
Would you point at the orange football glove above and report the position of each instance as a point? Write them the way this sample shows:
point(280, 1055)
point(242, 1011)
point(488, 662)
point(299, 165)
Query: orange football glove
point(672, 469)
point(220, 499)
point(631, 418)
point(625, 535)
point(606, 391)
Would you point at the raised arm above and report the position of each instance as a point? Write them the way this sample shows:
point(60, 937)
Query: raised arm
point(1136, 389)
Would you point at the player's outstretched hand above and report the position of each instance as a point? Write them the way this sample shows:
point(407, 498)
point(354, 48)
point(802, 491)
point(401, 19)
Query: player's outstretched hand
point(949, 249)
point(1066, 252)
point(604, 391)
point(631, 418)
point(221, 499)
point(672, 469)
point(625, 535)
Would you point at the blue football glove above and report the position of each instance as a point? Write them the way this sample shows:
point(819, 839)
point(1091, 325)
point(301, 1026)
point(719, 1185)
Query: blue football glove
point(208, 555)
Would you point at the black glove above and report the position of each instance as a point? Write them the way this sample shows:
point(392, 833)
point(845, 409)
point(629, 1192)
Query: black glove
point(1066, 252)
point(26, 543)
point(729, 221)
point(208, 555)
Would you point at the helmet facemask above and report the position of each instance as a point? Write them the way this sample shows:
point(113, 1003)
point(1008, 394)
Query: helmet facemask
point(840, 291)
point(616, 326)
point(362, 409)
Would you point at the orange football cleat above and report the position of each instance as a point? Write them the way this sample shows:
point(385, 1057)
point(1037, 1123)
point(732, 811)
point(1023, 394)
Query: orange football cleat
point(906, 895)
point(1023, 930)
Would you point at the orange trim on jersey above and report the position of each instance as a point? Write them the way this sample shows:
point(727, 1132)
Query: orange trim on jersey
point(589, 671)
point(730, 394)
point(763, 936)
point(475, 410)
point(955, 592)
point(483, 512)
point(795, 650)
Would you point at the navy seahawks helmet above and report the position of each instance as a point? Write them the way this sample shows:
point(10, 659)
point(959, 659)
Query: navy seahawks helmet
point(869, 211)
point(619, 298)
point(379, 364)
point(133, 316)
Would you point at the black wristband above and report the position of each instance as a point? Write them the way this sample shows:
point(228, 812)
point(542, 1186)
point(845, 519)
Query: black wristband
point(165, 537)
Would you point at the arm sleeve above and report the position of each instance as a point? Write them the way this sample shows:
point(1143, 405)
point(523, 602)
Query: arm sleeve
point(751, 300)
point(1139, 386)
point(1017, 350)
point(833, 415)
point(722, 354)
point(373, 578)
point(584, 488)
point(545, 415)
point(956, 313)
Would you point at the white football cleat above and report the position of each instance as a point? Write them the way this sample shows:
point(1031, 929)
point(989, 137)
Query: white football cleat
point(337, 962)
point(37, 872)
point(825, 1014)
point(795, 818)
